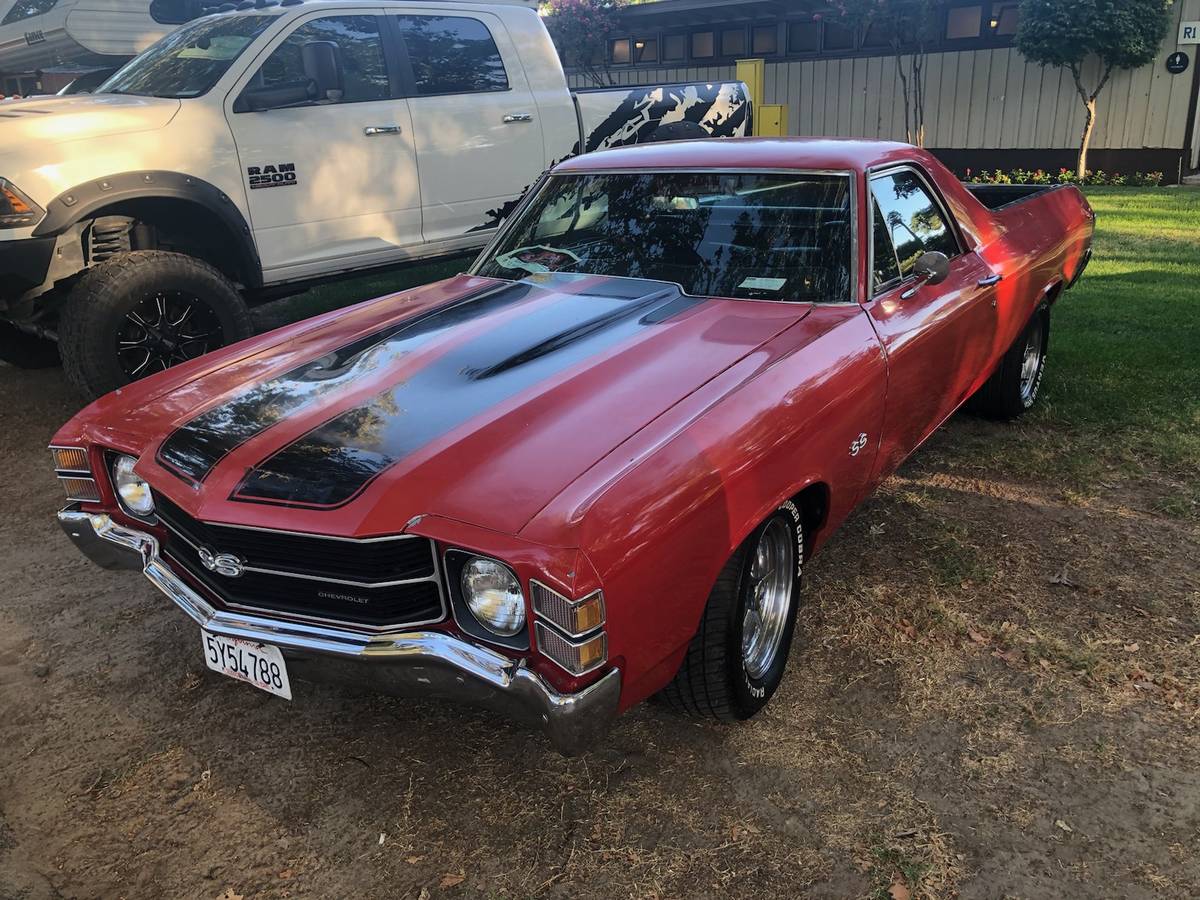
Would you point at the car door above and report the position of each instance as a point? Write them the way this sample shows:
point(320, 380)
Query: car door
point(937, 337)
point(331, 182)
point(478, 136)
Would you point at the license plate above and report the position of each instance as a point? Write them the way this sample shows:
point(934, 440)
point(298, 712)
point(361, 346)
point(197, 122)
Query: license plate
point(258, 664)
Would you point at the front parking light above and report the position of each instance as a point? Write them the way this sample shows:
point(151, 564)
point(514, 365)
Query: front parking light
point(16, 210)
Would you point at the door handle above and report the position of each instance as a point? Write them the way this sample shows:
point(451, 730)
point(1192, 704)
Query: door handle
point(512, 118)
point(373, 130)
point(994, 278)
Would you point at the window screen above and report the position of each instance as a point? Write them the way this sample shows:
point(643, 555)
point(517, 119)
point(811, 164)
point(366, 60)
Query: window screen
point(733, 42)
point(453, 55)
point(364, 73)
point(765, 39)
point(674, 47)
point(914, 219)
point(703, 45)
point(618, 51)
point(963, 22)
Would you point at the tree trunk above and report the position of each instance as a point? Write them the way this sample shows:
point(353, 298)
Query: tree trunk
point(1089, 123)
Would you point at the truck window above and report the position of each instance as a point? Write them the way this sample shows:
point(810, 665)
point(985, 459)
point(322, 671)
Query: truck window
point(27, 9)
point(452, 55)
point(914, 219)
point(188, 61)
point(747, 236)
point(885, 268)
point(364, 72)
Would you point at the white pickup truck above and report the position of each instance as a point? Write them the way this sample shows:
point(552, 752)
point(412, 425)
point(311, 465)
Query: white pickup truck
point(256, 150)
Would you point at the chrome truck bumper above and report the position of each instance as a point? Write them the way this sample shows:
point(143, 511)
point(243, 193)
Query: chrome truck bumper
point(410, 664)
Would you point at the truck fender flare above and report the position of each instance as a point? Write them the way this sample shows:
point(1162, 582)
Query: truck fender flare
point(80, 202)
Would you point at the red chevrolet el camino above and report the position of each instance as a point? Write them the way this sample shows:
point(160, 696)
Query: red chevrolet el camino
point(591, 469)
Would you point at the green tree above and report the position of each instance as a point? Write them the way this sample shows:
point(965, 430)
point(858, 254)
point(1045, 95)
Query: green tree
point(581, 30)
point(910, 26)
point(1121, 34)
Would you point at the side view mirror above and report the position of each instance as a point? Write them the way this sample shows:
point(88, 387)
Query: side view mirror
point(932, 267)
point(323, 66)
point(276, 96)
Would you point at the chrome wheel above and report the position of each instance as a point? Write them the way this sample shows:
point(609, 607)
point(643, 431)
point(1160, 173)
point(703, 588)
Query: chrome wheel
point(164, 329)
point(769, 597)
point(1031, 361)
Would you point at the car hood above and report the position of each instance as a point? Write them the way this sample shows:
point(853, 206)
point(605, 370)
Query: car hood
point(54, 120)
point(472, 399)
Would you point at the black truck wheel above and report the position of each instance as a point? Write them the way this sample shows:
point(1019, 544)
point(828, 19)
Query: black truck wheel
point(1013, 387)
point(142, 312)
point(736, 660)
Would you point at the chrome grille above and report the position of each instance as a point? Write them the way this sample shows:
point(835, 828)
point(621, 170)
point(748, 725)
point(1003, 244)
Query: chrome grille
point(375, 582)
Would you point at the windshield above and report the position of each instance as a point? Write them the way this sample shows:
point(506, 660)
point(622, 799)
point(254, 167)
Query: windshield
point(188, 61)
point(747, 236)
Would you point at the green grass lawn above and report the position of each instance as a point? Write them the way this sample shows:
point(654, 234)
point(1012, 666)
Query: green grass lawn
point(1122, 388)
point(1121, 396)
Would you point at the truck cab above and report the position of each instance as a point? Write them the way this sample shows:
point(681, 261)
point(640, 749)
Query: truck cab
point(257, 149)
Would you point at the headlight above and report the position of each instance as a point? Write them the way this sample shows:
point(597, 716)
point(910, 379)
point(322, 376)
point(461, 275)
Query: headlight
point(134, 493)
point(493, 595)
point(16, 210)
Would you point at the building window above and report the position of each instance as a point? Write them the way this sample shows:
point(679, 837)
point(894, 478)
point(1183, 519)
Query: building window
point(674, 47)
point(645, 50)
point(618, 51)
point(765, 40)
point(804, 37)
point(703, 45)
point(962, 22)
point(878, 35)
point(733, 42)
point(839, 37)
point(1005, 18)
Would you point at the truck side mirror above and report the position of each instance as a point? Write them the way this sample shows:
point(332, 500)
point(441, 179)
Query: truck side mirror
point(322, 63)
point(932, 267)
point(256, 99)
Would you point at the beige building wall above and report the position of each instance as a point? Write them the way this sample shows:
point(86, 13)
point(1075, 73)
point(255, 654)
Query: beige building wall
point(992, 99)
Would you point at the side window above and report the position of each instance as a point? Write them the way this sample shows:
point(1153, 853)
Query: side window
point(914, 219)
point(883, 254)
point(359, 48)
point(452, 55)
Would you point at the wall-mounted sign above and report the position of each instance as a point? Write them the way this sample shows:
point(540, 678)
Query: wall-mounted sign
point(1177, 62)
point(1189, 33)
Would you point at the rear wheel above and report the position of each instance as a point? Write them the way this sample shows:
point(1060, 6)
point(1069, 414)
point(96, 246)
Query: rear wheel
point(143, 312)
point(1013, 387)
point(736, 660)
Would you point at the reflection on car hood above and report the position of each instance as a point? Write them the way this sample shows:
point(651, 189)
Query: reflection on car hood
point(475, 399)
point(79, 116)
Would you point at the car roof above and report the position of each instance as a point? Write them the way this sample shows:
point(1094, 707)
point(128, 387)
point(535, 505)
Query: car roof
point(747, 153)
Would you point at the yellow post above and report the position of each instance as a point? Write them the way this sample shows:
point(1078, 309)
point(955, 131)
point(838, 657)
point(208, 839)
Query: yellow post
point(753, 73)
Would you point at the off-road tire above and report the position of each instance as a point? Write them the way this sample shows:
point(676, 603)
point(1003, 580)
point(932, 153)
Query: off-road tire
point(26, 351)
point(100, 300)
point(1001, 397)
point(713, 681)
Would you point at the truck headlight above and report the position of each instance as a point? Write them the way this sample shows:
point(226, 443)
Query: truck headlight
point(16, 210)
point(493, 595)
point(133, 492)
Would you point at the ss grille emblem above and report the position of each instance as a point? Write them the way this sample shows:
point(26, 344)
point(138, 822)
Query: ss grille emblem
point(857, 444)
point(222, 563)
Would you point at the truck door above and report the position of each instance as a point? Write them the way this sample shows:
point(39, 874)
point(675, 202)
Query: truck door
point(478, 135)
point(937, 337)
point(331, 180)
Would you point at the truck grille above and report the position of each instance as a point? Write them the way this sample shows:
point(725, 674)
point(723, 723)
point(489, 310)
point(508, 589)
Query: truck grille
point(375, 582)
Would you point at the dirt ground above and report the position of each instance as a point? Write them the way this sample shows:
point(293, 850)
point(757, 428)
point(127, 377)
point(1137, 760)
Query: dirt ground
point(996, 694)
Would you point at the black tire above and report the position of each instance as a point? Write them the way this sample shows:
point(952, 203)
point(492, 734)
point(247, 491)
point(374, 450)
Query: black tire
point(26, 351)
point(101, 308)
point(1010, 391)
point(713, 681)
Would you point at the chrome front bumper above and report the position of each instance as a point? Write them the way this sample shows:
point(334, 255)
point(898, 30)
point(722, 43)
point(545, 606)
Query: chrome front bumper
point(411, 664)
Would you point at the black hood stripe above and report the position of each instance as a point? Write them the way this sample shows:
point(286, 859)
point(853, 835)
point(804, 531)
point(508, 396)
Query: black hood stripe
point(195, 448)
point(334, 462)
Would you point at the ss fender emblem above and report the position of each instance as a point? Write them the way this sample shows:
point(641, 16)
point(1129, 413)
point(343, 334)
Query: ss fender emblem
point(857, 444)
point(222, 563)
